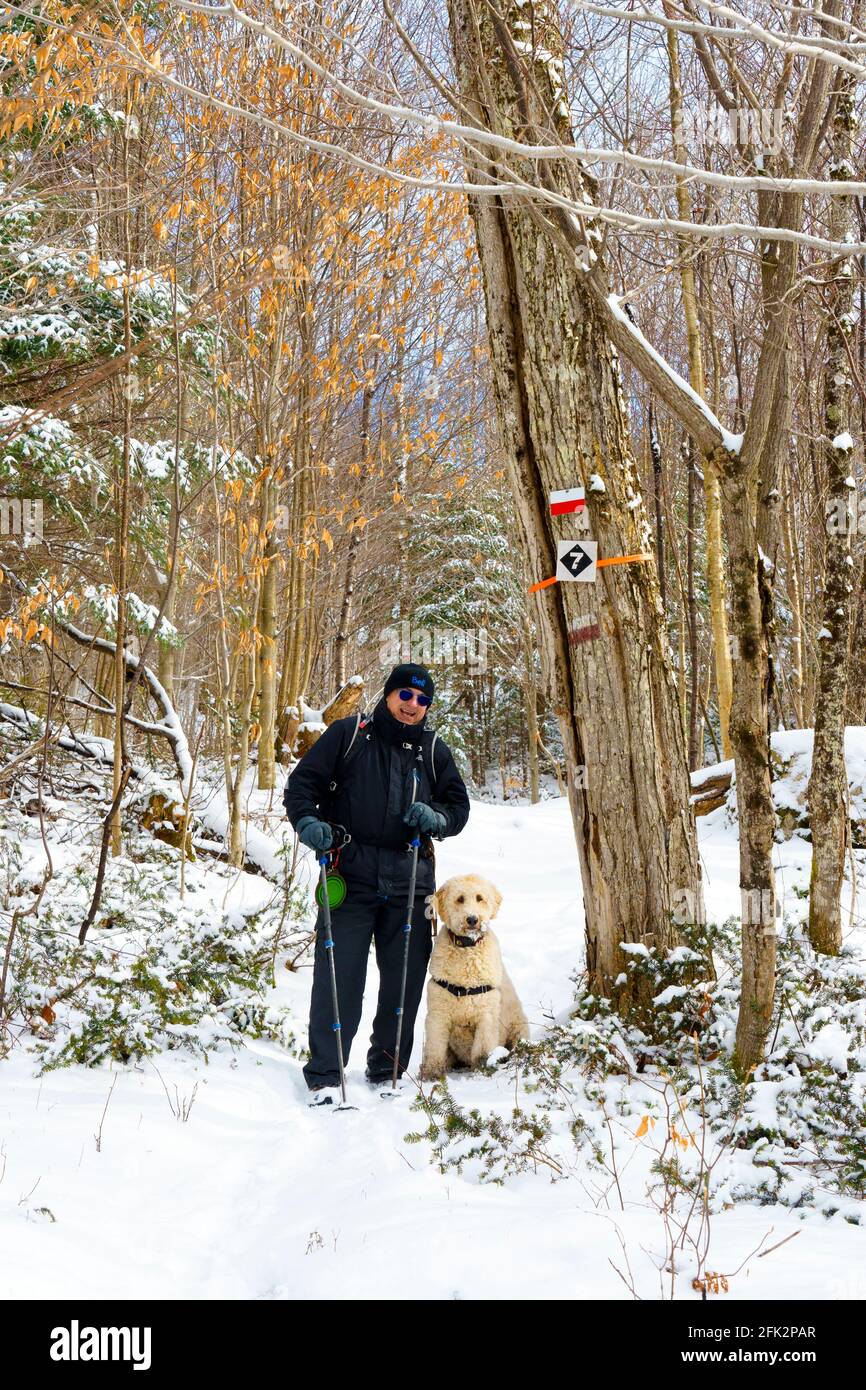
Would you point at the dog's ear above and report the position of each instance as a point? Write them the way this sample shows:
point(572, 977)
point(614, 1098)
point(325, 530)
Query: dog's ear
point(439, 903)
point(495, 898)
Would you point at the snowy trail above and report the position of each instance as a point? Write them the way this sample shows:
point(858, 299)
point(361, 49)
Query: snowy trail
point(257, 1196)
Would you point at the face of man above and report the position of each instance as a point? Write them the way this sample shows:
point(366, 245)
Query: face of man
point(411, 713)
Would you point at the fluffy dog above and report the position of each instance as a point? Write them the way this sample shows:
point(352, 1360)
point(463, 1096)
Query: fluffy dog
point(472, 1006)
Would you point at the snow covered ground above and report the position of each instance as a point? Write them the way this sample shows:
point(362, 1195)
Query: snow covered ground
point(257, 1196)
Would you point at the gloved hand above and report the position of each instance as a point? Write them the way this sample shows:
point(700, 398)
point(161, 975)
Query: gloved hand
point(428, 821)
point(315, 834)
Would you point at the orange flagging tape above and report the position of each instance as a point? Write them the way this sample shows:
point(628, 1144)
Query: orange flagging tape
point(613, 560)
point(621, 560)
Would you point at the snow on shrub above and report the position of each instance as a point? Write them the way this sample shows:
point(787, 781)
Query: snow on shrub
point(795, 1134)
point(155, 972)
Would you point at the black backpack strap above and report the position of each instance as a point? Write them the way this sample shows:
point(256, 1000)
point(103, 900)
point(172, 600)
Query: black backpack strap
point(433, 756)
point(358, 718)
point(431, 752)
point(426, 755)
point(355, 747)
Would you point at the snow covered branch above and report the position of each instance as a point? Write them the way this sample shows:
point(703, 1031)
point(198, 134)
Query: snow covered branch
point(169, 726)
point(674, 390)
point(401, 115)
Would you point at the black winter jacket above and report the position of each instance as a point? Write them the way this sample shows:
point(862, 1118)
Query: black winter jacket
point(372, 795)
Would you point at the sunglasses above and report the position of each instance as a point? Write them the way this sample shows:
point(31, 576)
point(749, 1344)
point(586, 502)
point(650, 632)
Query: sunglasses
point(407, 696)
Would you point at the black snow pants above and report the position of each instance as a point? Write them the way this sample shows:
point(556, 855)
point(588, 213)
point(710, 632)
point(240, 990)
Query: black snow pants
point(365, 916)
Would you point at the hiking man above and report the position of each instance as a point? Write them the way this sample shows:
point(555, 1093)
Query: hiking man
point(384, 779)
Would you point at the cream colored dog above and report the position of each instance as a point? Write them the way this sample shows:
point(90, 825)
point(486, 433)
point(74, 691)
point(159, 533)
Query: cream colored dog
point(472, 1006)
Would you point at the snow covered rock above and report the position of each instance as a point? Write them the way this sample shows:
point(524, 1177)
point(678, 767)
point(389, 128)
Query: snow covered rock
point(714, 787)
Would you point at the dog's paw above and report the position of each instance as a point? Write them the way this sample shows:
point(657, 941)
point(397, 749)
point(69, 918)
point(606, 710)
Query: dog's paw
point(430, 1073)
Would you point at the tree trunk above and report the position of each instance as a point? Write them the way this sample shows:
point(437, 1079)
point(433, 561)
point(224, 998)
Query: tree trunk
point(693, 613)
point(792, 563)
point(715, 558)
point(167, 653)
point(751, 609)
point(656, 454)
point(342, 639)
point(400, 465)
point(296, 633)
point(241, 740)
point(531, 712)
point(121, 570)
point(562, 421)
point(267, 654)
point(750, 494)
point(828, 810)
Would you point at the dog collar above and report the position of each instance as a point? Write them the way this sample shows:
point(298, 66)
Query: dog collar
point(463, 940)
point(460, 990)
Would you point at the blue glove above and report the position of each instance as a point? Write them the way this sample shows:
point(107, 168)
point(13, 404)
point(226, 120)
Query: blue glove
point(428, 821)
point(315, 834)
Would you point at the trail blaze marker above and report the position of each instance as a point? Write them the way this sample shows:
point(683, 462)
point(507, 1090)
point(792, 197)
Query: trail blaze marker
point(576, 560)
point(584, 630)
point(567, 500)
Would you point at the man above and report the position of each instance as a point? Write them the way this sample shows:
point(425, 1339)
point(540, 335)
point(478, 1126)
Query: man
point(384, 780)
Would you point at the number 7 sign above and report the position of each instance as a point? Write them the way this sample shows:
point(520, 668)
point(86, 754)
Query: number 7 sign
point(576, 560)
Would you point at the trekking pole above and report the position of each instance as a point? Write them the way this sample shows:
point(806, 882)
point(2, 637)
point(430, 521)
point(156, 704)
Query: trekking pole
point(407, 930)
point(329, 947)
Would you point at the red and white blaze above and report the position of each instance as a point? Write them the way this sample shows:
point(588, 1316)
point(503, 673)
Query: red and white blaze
point(567, 500)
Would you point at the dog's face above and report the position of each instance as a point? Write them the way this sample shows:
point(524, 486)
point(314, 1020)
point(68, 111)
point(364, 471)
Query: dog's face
point(467, 904)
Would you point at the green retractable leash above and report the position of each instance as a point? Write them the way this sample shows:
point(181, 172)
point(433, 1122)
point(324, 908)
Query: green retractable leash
point(336, 884)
